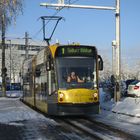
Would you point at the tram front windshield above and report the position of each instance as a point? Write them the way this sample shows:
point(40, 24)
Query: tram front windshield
point(84, 69)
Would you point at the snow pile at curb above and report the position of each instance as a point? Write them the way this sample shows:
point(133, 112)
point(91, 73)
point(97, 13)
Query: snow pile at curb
point(129, 106)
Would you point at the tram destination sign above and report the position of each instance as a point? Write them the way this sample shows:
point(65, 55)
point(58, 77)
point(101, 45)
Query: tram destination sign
point(76, 51)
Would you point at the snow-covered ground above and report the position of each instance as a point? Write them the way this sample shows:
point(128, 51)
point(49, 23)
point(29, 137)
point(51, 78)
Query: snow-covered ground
point(124, 115)
point(129, 105)
point(12, 110)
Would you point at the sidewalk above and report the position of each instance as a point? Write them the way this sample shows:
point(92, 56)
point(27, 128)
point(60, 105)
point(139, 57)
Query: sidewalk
point(11, 109)
point(123, 115)
point(19, 122)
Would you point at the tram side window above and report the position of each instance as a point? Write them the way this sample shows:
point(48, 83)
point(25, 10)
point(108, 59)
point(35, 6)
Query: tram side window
point(26, 77)
point(41, 83)
point(45, 86)
point(53, 81)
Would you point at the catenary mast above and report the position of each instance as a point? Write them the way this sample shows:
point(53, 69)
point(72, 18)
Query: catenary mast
point(117, 63)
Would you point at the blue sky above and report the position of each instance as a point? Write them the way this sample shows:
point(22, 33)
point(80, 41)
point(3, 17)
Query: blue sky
point(94, 27)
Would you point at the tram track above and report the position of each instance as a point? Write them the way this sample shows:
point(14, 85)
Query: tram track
point(113, 129)
point(84, 129)
point(77, 128)
point(94, 129)
point(89, 127)
point(108, 132)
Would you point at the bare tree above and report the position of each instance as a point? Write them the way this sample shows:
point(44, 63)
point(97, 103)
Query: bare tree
point(125, 69)
point(107, 71)
point(9, 9)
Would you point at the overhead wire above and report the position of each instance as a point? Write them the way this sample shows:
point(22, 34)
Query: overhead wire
point(38, 43)
point(34, 36)
point(45, 24)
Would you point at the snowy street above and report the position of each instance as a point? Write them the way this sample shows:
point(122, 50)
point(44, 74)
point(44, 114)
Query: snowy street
point(69, 70)
point(21, 122)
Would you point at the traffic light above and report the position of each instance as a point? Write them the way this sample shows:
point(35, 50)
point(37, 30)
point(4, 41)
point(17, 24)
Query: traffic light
point(19, 74)
point(4, 72)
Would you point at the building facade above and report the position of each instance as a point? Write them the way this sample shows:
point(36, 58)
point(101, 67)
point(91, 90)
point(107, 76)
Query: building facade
point(15, 53)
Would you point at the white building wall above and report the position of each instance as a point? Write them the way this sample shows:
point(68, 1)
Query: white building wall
point(17, 57)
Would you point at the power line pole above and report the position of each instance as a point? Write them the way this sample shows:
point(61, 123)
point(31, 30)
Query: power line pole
point(118, 53)
point(26, 45)
point(10, 62)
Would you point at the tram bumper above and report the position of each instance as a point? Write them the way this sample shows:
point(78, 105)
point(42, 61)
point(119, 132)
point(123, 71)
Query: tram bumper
point(78, 109)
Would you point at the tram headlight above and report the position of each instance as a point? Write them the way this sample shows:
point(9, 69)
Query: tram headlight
point(61, 97)
point(95, 94)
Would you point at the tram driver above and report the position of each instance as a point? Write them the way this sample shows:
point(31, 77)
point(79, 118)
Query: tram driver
point(74, 78)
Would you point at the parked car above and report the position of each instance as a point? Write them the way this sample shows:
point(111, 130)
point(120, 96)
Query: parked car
point(134, 88)
point(14, 90)
point(14, 94)
point(125, 86)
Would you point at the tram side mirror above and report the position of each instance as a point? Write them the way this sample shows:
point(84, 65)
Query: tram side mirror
point(37, 72)
point(48, 65)
point(100, 62)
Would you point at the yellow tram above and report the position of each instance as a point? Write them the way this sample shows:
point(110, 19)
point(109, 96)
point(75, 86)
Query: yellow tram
point(45, 80)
